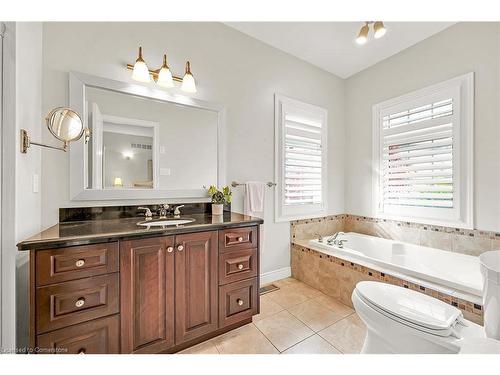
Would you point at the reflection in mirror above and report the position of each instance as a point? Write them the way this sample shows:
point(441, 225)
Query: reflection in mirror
point(142, 143)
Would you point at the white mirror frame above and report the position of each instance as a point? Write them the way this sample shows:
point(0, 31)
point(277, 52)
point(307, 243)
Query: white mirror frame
point(78, 155)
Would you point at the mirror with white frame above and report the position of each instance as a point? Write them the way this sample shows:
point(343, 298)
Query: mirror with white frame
point(145, 142)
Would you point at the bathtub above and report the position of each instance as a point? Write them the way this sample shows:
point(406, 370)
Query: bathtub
point(458, 272)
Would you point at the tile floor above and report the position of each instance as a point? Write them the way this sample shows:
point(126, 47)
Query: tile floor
point(296, 319)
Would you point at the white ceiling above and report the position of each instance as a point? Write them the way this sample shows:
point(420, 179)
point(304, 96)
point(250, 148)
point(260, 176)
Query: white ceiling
point(331, 45)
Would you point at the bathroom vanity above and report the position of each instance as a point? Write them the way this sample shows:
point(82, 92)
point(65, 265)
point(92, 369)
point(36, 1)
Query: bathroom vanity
point(111, 286)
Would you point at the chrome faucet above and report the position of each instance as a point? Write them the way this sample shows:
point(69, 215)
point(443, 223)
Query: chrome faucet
point(333, 239)
point(177, 211)
point(147, 214)
point(163, 211)
point(320, 237)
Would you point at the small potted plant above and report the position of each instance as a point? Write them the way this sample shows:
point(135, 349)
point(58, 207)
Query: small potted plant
point(219, 198)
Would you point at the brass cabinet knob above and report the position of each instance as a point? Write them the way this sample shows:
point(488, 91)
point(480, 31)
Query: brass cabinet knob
point(239, 301)
point(80, 302)
point(81, 351)
point(240, 239)
point(180, 248)
point(80, 263)
point(240, 266)
point(170, 249)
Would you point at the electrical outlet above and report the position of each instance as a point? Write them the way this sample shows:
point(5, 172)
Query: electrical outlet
point(36, 183)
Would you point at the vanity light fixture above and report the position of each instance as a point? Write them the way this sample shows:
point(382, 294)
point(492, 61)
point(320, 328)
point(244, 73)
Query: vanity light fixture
point(188, 83)
point(163, 76)
point(379, 31)
point(140, 71)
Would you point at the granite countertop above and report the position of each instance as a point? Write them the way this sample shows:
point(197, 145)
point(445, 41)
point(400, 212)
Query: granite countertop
point(96, 231)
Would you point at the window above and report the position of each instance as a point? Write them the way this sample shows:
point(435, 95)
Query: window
point(423, 147)
point(300, 146)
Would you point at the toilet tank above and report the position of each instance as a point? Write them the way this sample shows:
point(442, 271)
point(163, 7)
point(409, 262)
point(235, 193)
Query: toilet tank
point(490, 270)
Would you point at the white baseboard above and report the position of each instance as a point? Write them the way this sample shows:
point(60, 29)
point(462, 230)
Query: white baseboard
point(269, 277)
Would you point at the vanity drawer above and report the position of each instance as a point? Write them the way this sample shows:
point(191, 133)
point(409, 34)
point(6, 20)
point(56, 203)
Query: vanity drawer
point(71, 263)
point(72, 302)
point(238, 238)
point(237, 265)
point(238, 301)
point(99, 336)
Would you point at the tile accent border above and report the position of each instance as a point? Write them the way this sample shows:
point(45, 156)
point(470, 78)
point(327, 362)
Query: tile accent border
point(465, 241)
point(337, 277)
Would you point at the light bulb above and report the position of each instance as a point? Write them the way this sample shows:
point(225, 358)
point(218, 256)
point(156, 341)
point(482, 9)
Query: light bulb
point(379, 29)
point(141, 71)
point(164, 75)
point(188, 83)
point(118, 182)
point(363, 35)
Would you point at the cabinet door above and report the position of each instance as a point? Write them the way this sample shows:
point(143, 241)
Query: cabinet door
point(147, 295)
point(195, 285)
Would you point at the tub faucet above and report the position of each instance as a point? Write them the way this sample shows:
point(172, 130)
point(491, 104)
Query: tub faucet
point(320, 237)
point(340, 243)
point(333, 239)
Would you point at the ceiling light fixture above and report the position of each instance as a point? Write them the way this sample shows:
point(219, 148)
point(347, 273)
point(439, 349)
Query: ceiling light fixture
point(379, 31)
point(163, 76)
point(363, 34)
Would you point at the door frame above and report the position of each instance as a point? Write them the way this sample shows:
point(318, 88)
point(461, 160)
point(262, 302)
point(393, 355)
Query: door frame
point(8, 147)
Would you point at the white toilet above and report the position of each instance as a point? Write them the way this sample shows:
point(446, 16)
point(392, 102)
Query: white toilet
point(401, 320)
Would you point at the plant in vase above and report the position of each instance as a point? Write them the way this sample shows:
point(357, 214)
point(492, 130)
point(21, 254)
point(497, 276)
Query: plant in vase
point(219, 198)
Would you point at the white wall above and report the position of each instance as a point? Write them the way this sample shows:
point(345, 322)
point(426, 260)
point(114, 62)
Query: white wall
point(231, 68)
point(462, 48)
point(27, 213)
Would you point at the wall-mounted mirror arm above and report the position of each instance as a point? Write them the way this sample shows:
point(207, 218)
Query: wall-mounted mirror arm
point(26, 142)
point(64, 124)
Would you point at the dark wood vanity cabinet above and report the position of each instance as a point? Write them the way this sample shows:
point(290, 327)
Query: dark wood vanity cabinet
point(196, 276)
point(147, 295)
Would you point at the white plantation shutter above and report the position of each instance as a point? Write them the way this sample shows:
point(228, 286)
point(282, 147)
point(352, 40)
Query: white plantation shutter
point(303, 167)
point(301, 158)
point(417, 156)
point(423, 154)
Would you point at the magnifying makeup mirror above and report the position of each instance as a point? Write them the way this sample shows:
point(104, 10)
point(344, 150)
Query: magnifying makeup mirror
point(64, 124)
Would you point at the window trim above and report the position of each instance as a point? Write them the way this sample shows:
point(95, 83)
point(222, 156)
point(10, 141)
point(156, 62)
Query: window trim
point(309, 210)
point(463, 152)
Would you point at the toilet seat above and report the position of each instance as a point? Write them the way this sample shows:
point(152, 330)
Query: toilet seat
point(401, 320)
point(411, 308)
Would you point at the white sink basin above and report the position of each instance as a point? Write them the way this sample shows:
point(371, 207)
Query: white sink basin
point(164, 223)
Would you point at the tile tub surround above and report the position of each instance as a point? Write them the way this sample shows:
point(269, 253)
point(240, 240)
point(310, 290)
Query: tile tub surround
point(314, 324)
point(337, 278)
point(465, 241)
